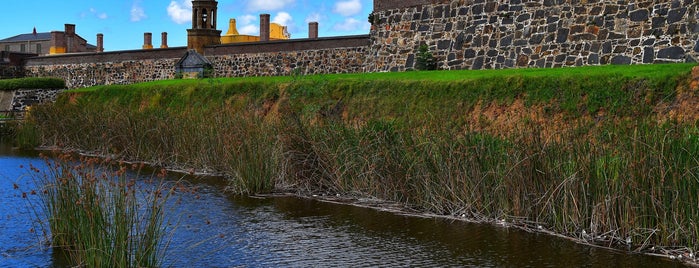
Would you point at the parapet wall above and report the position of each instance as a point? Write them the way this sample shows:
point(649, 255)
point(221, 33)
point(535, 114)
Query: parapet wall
point(309, 56)
point(317, 56)
point(480, 34)
point(123, 67)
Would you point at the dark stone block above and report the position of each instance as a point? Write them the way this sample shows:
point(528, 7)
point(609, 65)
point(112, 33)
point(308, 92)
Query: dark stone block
point(611, 9)
point(516, 8)
point(443, 44)
point(479, 22)
point(448, 27)
point(451, 56)
point(455, 63)
point(549, 3)
point(463, 11)
point(649, 42)
point(593, 58)
point(536, 39)
point(410, 62)
point(438, 12)
point(639, 15)
point(696, 47)
point(671, 53)
point(648, 55)
point(552, 19)
point(613, 35)
point(459, 42)
point(621, 60)
point(506, 41)
point(423, 28)
point(507, 20)
point(562, 35)
point(521, 42)
point(539, 14)
point(607, 47)
point(492, 53)
point(523, 17)
point(477, 64)
point(676, 15)
point(560, 58)
point(477, 9)
point(658, 22)
point(634, 42)
point(469, 53)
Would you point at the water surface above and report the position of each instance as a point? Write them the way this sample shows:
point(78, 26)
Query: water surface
point(212, 229)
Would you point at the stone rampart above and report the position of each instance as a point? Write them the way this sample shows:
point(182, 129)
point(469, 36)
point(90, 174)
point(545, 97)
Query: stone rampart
point(480, 34)
point(310, 56)
point(324, 55)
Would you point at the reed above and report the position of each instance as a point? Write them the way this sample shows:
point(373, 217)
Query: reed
point(97, 216)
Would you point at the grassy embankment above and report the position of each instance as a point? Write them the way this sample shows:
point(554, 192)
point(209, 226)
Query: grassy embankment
point(609, 153)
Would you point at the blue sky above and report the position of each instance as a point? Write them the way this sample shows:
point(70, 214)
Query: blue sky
point(123, 22)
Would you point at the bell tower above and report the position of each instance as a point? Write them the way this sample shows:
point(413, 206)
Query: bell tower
point(203, 32)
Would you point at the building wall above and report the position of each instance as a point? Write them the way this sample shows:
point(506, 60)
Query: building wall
point(480, 34)
point(40, 47)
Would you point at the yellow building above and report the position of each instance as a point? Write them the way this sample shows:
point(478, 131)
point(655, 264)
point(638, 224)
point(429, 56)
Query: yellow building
point(276, 32)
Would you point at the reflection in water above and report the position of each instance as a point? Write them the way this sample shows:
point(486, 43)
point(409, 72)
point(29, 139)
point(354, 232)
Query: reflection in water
point(212, 229)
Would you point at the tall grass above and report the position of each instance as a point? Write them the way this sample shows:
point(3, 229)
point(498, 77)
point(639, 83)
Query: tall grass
point(98, 217)
point(607, 179)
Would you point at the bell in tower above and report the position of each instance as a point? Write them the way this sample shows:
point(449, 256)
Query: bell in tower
point(203, 32)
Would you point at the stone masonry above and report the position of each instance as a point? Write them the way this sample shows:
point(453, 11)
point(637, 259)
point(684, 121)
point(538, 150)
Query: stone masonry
point(480, 34)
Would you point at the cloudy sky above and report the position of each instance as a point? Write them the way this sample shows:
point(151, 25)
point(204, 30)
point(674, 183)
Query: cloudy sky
point(123, 22)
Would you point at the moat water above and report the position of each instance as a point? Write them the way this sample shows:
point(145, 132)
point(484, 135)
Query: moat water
point(216, 229)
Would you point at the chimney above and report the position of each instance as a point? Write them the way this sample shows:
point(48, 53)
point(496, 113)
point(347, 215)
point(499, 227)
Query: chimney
point(70, 38)
point(264, 27)
point(70, 29)
point(163, 36)
point(147, 41)
point(313, 30)
point(100, 42)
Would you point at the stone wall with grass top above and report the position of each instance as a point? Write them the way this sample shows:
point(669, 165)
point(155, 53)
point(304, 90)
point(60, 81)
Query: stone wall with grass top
point(480, 34)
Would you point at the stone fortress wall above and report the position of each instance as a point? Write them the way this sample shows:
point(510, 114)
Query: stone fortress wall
point(480, 34)
point(461, 34)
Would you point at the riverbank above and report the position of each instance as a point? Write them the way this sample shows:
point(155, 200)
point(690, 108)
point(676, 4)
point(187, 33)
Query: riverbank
point(606, 154)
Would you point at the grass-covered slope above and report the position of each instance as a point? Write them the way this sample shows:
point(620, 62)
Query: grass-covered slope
point(32, 83)
point(612, 151)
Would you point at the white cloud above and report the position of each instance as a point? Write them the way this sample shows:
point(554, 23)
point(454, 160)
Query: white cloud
point(249, 30)
point(96, 13)
point(180, 12)
point(137, 12)
point(247, 19)
point(349, 25)
point(268, 5)
point(314, 17)
point(282, 18)
point(348, 8)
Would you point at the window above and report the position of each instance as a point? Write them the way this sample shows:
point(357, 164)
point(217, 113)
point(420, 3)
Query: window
point(38, 48)
point(7, 47)
point(22, 48)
